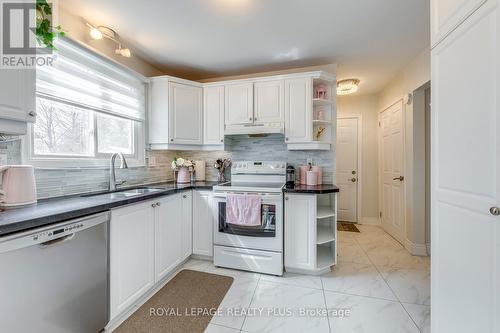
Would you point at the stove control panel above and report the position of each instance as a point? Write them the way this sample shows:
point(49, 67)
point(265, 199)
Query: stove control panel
point(255, 167)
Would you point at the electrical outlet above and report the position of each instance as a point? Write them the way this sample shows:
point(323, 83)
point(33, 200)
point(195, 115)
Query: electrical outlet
point(3, 159)
point(310, 161)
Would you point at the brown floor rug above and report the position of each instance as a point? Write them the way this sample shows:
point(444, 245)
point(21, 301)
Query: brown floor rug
point(342, 226)
point(185, 304)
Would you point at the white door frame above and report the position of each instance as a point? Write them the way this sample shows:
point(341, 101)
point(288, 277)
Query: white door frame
point(359, 176)
point(405, 164)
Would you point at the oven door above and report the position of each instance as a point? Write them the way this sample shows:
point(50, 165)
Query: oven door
point(267, 236)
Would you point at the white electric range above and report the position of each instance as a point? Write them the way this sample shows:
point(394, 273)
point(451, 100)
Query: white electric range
point(257, 249)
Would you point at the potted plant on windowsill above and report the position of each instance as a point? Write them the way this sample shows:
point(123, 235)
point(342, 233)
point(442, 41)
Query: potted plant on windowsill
point(184, 169)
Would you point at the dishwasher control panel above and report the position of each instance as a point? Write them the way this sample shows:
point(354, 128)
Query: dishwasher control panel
point(50, 234)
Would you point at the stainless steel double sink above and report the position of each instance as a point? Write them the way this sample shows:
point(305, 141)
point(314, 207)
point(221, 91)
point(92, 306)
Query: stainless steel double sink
point(125, 193)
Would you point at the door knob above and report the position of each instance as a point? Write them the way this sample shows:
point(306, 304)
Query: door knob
point(353, 180)
point(400, 178)
point(495, 211)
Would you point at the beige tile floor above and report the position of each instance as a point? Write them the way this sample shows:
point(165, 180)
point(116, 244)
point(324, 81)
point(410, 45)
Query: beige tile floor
point(385, 288)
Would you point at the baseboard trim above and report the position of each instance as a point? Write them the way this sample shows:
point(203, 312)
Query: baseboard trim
point(416, 249)
point(370, 220)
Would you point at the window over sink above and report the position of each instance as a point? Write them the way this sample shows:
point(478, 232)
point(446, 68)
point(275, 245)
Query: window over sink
point(88, 108)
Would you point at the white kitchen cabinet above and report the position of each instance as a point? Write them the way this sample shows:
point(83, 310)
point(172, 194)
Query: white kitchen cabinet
point(175, 114)
point(213, 115)
point(300, 215)
point(310, 233)
point(298, 110)
point(446, 15)
point(168, 231)
point(239, 104)
point(203, 221)
point(269, 102)
point(17, 95)
point(158, 119)
point(187, 224)
point(131, 254)
point(185, 114)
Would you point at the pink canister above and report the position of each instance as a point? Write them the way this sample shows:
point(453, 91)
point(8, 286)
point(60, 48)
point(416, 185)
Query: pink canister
point(318, 170)
point(303, 174)
point(312, 178)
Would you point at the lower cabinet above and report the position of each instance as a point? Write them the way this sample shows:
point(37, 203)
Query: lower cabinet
point(148, 241)
point(168, 227)
point(300, 215)
point(310, 232)
point(132, 266)
point(187, 224)
point(203, 220)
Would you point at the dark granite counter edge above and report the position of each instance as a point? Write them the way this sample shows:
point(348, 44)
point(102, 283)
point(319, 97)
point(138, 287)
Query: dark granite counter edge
point(46, 220)
point(317, 189)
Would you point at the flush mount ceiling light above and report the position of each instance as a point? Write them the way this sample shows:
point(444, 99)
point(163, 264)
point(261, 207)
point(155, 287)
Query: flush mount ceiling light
point(100, 32)
point(347, 86)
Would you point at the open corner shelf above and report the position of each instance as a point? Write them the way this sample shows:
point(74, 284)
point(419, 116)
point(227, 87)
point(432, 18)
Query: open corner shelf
point(325, 234)
point(322, 122)
point(325, 212)
point(322, 102)
point(325, 257)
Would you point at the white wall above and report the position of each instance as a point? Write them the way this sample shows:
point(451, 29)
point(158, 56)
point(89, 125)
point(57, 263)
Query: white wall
point(76, 29)
point(366, 106)
point(415, 75)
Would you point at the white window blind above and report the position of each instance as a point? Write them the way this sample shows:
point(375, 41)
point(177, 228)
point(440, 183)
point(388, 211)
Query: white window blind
point(83, 78)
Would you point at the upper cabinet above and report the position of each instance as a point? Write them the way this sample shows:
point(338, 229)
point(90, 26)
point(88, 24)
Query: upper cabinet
point(17, 100)
point(185, 114)
point(239, 104)
point(175, 114)
point(446, 15)
point(213, 115)
point(298, 105)
point(254, 107)
point(310, 111)
point(269, 102)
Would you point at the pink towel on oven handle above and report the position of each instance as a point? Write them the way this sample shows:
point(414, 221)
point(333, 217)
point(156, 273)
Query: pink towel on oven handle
point(243, 209)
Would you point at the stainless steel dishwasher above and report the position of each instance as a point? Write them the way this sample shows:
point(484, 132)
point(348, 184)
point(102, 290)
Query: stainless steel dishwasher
point(55, 279)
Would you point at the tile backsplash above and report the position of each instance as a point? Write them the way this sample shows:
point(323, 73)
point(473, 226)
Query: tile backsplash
point(60, 182)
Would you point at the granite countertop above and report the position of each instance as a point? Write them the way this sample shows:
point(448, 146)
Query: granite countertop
point(56, 210)
point(316, 189)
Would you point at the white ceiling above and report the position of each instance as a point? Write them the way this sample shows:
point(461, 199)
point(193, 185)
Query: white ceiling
point(198, 39)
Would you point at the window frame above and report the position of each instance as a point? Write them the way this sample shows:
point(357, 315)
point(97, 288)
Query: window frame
point(99, 160)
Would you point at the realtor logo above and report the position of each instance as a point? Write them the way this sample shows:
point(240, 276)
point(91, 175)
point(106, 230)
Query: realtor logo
point(19, 45)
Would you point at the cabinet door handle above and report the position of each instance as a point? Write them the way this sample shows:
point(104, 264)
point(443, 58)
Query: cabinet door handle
point(255, 119)
point(221, 140)
point(495, 211)
point(286, 139)
point(153, 205)
point(250, 118)
point(171, 139)
point(184, 196)
point(32, 114)
point(158, 204)
point(286, 198)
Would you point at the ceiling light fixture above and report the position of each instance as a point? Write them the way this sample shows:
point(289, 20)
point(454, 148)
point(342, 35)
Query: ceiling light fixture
point(100, 32)
point(347, 86)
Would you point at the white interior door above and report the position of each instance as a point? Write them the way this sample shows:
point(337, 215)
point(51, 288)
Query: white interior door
point(465, 185)
point(391, 170)
point(347, 169)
